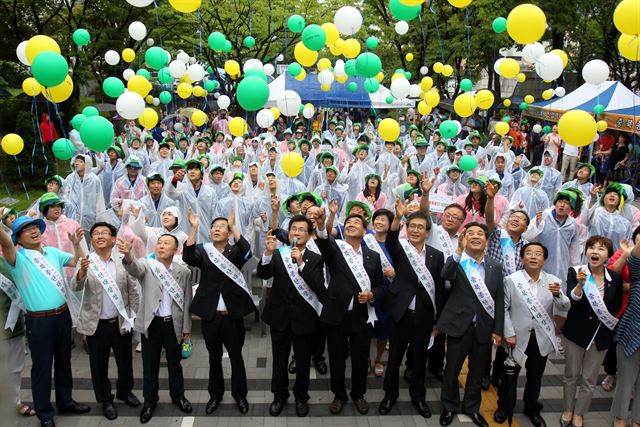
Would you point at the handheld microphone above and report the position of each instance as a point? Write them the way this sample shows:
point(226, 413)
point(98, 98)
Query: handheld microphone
point(294, 243)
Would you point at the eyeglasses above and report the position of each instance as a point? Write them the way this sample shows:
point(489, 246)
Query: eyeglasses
point(101, 234)
point(299, 229)
point(533, 253)
point(451, 217)
point(418, 227)
point(219, 227)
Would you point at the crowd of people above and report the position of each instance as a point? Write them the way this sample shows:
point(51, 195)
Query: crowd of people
point(391, 240)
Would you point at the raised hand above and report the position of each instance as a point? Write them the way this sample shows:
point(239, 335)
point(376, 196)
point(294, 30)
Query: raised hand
point(436, 170)
point(135, 210)
point(333, 206)
point(539, 218)
point(263, 216)
point(626, 247)
point(462, 242)
point(491, 189)
point(275, 204)
point(76, 236)
point(401, 209)
point(427, 183)
point(194, 219)
point(581, 276)
point(270, 243)
point(321, 216)
point(123, 246)
point(179, 174)
point(232, 218)
point(595, 190)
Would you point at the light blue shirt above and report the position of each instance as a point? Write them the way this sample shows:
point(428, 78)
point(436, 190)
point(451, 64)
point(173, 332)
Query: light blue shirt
point(36, 290)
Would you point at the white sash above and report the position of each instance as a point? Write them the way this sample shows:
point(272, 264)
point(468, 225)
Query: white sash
point(313, 247)
point(167, 281)
point(421, 270)
point(111, 288)
point(478, 286)
point(359, 273)
point(301, 286)
point(226, 266)
point(9, 288)
point(373, 244)
point(596, 302)
point(445, 242)
point(508, 251)
point(535, 307)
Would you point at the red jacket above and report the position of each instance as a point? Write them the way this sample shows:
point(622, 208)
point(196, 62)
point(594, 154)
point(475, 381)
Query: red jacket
point(48, 130)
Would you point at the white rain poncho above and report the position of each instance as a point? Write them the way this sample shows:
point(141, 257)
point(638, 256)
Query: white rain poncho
point(244, 212)
point(109, 174)
point(550, 182)
point(124, 189)
point(84, 194)
point(613, 225)
point(385, 159)
point(150, 234)
point(530, 199)
point(162, 166)
point(355, 178)
point(203, 204)
point(152, 211)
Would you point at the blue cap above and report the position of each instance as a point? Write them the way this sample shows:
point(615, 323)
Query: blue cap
point(23, 222)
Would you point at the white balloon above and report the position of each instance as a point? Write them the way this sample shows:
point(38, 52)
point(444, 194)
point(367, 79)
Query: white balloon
point(338, 68)
point(400, 88)
point(139, 3)
point(137, 30)
point(459, 125)
point(348, 20)
point(414, 91)
point(216, 95)
point(128, 73)
point(549, 66)
point(195, 72)
point(156, 102)
point(595, 72)
point(192, 60)
point(537, 128)
point(532, 51)
point(130, 105)
point(177, 68)
point(289, 103)
point(560, 91)
point(21, 52)
point(183, 57)
point(150, 42)
point(269, 69)
point(280, 58)
point(496, 65)
point(251, 64)
point(402, 27)
point(265, 118)
point(168, 56)
point(325, 77)
point(424, 70)
point(178, 127)
point(308, 112)
point(224, 102)
point(112, 57)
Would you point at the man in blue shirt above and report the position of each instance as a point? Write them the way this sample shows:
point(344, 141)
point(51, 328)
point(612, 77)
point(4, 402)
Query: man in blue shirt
point(37, 272)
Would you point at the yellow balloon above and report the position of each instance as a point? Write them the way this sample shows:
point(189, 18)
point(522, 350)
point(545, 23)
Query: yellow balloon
point(275, 112)
point(139, 85)
point(529, 99)
point(185, 6)
point(409, 57)
point(351, 48)
point(509, 68)
point(59, 93)
point(438, 67)
point(465, 104)
point(149, 118)
point(447, 70)
point(184, 90)
point(577, 128)
point(389, 129)
point(185, 79)
point(324, 64)
point(198, 91)
point(128, 55)
point(526, 23)
point(547, 94)
point(303, 75)
point(423, 108)
point(331, 32)
point(232, 67)
point(411, 2)
point(602, 125)
point(398, 76)
point(432, 98)
point(342, 79)
point(12, 144)
point(506, 102)
point(39, 44)
point(198, 117)
point(148, 99)
point(426, 83)
point(562, 54)
point(626, 17)
point(521, 78)
point(325, 88)
point(237, 126)
point(485, 99)
point(459, 3)
point(502, 128)
point(31, 87)
point(380, 76)
point(629, 47)
point(292, 164)
point(336, 48)
point(305, 57)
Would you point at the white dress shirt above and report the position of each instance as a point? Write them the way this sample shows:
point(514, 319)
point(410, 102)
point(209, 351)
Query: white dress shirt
point(423, 255)
point(164, 309)
point(108, 310)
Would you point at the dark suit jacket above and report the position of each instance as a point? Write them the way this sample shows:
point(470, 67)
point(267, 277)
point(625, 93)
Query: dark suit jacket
point(213, 281)
point(406, 284)
point(285, 307)
point(462, 305)
point(343, 286)
point(582, 321)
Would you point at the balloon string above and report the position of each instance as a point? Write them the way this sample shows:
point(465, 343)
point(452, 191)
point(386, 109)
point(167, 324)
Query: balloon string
point(435, 22)
point(424, 41)
point(4, 181)
point(34, 113)
point(466, 23)
point(155, 5)
point(24, 187)
point(200, 30)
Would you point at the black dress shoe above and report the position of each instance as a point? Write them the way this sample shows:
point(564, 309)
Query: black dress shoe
point(385, 406)
point(292, 366)
point(276, 407)
point(499, 416)
point(477, 419)
point(47, 423)
point(321, 367)
point(212, 405)
point(446, 417)
point(74, 408)
point(302, 409)
point(129, 400)
point(184, 405)
point(109, 410)
point(422, 407)
point(146, 414)
point(485, 383)
point(243, 405)
point(537, 420)
point(335, 407)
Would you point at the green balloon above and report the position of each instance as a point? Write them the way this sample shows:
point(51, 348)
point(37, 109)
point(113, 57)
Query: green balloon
point(90, 111)
point(97, 133)
point(371, 85)
point(63, 149)
point(81, 37)
point(164, 76)
point(506, 119)
point(408, 75)
point(368, 64)
point(210, 69)
point(216, 40)
point(113, 87)
point(402, 12)
point(314, 37)
point(524, 106)
point(389, 99)
point(399, 71)
point(598, 109)
point(210, 85)
point(252, 93)
point(294, 69)
point(468, 162)
point(499, 25)
point(372, 42)
point(350, 68)
point(448, 129)
point(352, 87)
point(165, 97)
point(466, 85)
point(227, 46)
point(295, 23)
point(546, 129)
point(249, 42)
point(258, 73)
point(156, 58)
point(77, 121)
point(49, 68)
point(144, 73)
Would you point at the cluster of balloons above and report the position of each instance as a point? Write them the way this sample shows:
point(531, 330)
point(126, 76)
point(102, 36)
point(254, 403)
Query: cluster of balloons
point(626, 18)
point(466, 103)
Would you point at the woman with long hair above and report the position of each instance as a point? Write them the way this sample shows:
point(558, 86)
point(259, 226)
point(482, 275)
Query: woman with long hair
point(372, 192)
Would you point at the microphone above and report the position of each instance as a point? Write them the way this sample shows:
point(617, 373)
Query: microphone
point(294, 243)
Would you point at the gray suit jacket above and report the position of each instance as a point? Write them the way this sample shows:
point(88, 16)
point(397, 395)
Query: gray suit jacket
point(152, 296)
point(92, 297)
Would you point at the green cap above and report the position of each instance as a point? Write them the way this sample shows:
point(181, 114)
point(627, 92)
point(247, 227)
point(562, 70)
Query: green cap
point(56, 178)
point(133, 162)
point(164, 144)
point(453, 168)
point(237, 175)
point(148, 137)
point(359, 147)
point(155, 177)
point(357, 124)
point(363, 205)
point(49, 199)
point(178, 164)
point(115, 148)
point(303, 141)
point(616, 187)
point(536, 170)
point(8, 211)
point(592, 169)
point(234, 158)
point(373, 175)
point(416, 174)
point(364, 138)
point(194, 162)
point(421, 142)
point(287, 201)
point(325, 154)
point(204, 156)
point(480, 180)
point(217, 168)
point(307, 195)
point(566, 195)
point(332, 168)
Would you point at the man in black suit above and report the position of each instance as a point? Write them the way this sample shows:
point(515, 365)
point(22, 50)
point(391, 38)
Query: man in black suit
point(222, 300)
point(291, 310)
point(356, 280)
point(414, 299)
point(472, 318)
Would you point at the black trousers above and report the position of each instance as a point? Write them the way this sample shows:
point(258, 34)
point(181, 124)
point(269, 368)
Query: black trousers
point(458, 348)
point(436, 354)
point(403, 334)
point(497, 367)
point(161, 334)
point(610, 362)
point(220, 330)
point(534, 365)
point(50, 344)
point(281, 342)
point(319, 341)
point(106, 337)
point(343, 341)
